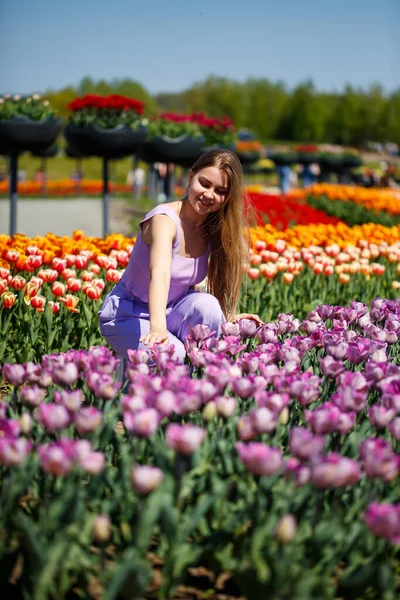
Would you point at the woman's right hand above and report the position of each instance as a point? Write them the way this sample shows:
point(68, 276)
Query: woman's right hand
point(156, 335)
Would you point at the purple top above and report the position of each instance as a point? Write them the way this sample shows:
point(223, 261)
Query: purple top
point(185, 272)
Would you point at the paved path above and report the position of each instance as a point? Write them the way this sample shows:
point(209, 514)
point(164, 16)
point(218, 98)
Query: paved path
point(62, 216)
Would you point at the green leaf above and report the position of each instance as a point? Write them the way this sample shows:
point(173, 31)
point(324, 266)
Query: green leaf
point(130, 579)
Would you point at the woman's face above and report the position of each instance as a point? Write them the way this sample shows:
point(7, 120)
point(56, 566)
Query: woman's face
point(208, 190)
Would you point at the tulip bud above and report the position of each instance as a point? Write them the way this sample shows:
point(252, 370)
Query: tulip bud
point(284, 416)
point(286, 529)
point(101, 529)
point(25, 422)
point(209, 411)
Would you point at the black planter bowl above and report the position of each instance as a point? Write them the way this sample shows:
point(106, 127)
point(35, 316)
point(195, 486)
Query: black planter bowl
point(49, 152)
point(333, 164)
point(176, 150)
point(351, 161)
point(21, 134)
point(248, 158)
point(107, 143)
point(72, 153)
point(306, 159)
point(284, 159)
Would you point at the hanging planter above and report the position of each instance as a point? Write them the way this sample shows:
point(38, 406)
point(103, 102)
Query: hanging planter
point(177, 149)
point(105, 126)
point(282, 159)
point(114, 143)
point(21, 134)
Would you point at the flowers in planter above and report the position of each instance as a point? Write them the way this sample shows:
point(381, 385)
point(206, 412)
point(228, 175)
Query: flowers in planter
point(216, 131)
point(106, 112)
point(31, 107)
point(173, 125)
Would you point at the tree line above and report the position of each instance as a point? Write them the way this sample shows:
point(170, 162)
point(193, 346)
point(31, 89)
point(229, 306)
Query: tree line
point(350, 117)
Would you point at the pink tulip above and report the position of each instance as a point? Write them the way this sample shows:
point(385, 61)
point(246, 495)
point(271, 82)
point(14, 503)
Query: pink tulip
point(145, 479)
point(394, 428)
point(226, 406)
point(259, 458)
point(379, 460)
point(32, 394)
point(88, 419)
point(53, 417)
point(55, 459)
point(9, 428)
point(184, 439)
point(379, 416)
point(14, 374)
point(324, 419)
point(143, 423)
point(71, 399)
point(263, 420)
point(93, 463)
point(304, 445)
point(383, 519)
point(334, 471)
point(13, 451)
point(66, 374)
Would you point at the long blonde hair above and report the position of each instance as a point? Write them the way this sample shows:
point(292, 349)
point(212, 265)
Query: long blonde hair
point(228, 231)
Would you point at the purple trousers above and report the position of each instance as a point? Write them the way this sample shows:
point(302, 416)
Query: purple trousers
point(125, 318)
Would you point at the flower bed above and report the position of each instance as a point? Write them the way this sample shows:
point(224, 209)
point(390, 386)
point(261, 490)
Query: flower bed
point(64, 187)
point(274, 461)
point(357, 205)
point(52, 287)
point(283, 212)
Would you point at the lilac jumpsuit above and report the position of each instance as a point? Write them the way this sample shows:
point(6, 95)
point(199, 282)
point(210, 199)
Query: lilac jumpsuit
point(124, 316)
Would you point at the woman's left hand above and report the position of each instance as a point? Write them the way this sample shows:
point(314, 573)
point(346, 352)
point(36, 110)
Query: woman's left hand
point(255, 318)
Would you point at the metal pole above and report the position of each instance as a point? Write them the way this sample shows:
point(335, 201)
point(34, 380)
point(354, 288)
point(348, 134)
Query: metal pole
point(106, 198)
point(13, 192)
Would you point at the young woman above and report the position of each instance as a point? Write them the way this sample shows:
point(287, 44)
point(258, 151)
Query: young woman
point(179, 244)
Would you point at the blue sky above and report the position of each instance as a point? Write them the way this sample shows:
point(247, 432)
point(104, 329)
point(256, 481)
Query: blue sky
point(169, 44)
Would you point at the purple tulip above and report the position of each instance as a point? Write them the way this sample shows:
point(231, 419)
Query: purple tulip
point(88, 419)
point(145, 479)
point(294, 469)
point(259, 458)
point(325, 311)
point(383, 520)
point(248, 328)
point(53, 417)
point(379, 460)
point(309, 326)
point(358, 352)
point(9, 428)
point(263, 420)
point(226, 406)
point(380, 416)
point(267, 334)
point(33, 373)
point(219, 377)
point(165, 403)
point(229, 328)
point(133, 403)
point(304, 445)
point(56, 459)
point(331, 367)
point(244, 387)
point(93, 463)
point(14, 374)
point(394, 428)
point(248, 363)
point(143, 423)
point(66, 375)
point(199, 333)
point(374, 372)
point(13, 451)
point(324, 419)
point(348, 399)
point(71, 399)
point(346, 422)
point(245, 429)
point(305, 394)
point(103, 386)
point(272, 400)
point(337, 350)
point(333, 471)
point(32, 394)
point(184, 439)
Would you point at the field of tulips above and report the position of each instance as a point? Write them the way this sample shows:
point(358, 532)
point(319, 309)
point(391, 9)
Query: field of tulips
point(52, 287)
point(264, 468)
point(355, 205)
